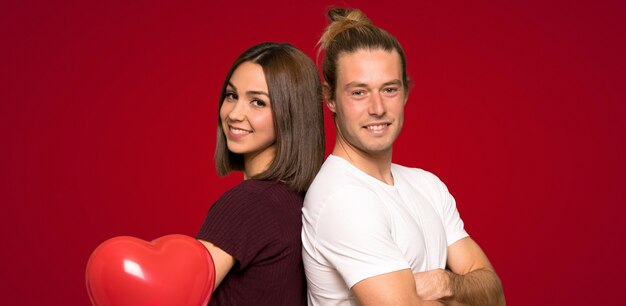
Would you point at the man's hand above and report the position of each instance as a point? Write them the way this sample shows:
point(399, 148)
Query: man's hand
point(433, 285)
point(473, 280)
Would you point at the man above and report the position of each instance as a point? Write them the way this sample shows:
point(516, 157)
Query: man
point(377, 233)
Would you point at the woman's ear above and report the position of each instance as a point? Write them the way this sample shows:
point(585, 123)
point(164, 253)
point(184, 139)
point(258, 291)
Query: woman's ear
point(328, 99)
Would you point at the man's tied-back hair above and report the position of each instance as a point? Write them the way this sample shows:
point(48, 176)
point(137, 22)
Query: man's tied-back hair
point(349, 31)
point(343, 19)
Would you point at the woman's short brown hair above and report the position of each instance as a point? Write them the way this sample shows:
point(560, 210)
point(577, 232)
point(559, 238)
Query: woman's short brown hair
point(295, 91)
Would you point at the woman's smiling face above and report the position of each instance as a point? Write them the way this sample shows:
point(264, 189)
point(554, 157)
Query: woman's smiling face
point(246, 116)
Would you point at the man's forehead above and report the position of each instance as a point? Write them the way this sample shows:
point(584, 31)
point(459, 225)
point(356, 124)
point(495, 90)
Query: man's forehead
point(367, 65)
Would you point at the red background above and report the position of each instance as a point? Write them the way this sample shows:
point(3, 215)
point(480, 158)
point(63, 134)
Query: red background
point(108, 115)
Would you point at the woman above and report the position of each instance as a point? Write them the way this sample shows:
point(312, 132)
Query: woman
point(271, 127)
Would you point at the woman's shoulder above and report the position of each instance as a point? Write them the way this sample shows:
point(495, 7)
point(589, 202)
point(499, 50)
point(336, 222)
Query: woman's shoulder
point(261, 192)
point(259, 187)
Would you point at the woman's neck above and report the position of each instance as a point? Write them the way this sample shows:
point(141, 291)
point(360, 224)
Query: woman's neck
point(257, 162)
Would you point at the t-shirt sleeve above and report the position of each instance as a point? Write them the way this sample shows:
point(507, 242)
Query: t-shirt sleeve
point(354, 236)
point(239, 224)
point(452, 221)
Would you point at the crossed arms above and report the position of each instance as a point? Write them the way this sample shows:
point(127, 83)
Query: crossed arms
point(469, 280)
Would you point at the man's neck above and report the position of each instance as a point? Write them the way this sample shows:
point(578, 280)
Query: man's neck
point(375, 164)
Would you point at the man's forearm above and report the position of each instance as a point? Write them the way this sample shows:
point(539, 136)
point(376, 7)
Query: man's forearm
point(479, 287)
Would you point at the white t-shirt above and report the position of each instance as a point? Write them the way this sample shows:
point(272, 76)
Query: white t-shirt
point(355, 227)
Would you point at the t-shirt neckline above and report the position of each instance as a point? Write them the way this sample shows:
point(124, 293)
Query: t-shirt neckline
point(368, 177)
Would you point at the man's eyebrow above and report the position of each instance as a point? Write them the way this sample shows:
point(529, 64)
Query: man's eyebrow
point(355, 84)
point(250, 92)
point(358, 84)
point(394, 82)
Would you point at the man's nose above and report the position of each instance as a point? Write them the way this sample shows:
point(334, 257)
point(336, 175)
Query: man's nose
point(377, 106)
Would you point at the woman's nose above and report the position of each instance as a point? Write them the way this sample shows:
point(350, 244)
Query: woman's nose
point(237, 111)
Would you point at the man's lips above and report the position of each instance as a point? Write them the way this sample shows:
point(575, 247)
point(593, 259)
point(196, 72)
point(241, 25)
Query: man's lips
point(377, 126)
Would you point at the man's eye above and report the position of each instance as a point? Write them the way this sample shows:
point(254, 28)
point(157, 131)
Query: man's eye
point(358, 92)
point(391, 90)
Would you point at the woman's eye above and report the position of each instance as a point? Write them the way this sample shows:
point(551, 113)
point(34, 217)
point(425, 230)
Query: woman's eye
point(231, 96)
point(258, 103)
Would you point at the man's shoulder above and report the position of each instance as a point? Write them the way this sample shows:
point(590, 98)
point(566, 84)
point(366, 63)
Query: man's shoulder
point(412, 171)
point(335, 174)
point(337, 179)
point(416, 176)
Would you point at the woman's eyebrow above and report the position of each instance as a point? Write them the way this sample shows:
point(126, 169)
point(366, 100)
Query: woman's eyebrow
point(250, 92)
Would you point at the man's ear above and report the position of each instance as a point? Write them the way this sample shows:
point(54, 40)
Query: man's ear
point(407, 90)
point(326, 94)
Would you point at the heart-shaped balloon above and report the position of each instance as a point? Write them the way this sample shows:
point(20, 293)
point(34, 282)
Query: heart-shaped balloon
point(172, 270)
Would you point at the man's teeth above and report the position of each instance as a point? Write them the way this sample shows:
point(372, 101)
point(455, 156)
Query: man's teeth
point(239, 131)
point(376, 127)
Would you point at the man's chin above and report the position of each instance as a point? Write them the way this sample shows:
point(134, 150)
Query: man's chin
point(376, 149)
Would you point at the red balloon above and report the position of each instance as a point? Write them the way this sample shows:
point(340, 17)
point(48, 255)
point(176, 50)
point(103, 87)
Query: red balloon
point(172, 270)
